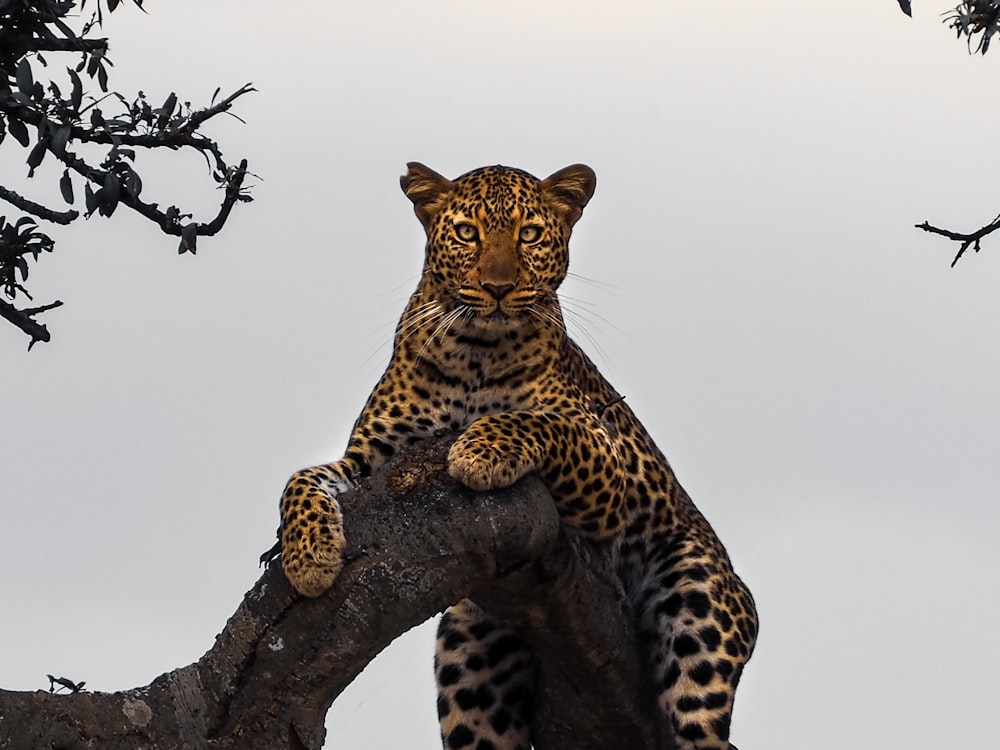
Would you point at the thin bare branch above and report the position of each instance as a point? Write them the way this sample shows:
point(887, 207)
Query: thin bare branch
point(75, 44)
point(24, 320)
point(966, 240)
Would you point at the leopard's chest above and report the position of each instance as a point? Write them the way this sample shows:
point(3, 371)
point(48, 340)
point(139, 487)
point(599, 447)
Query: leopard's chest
point(474, 383)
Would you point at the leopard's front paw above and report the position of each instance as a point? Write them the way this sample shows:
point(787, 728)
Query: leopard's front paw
point(312, 568)
point(312, 536)
point(485, 457)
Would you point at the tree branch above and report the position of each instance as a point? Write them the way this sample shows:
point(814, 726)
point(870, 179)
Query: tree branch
point(416, 544)
point(37, 209)
point(966, 240)
point(75, 44)
point(37, 115)
point(24, 320)
point(971, 17)
point(183, 135)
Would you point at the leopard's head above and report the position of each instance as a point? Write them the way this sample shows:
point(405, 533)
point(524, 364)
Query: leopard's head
point(497, 238)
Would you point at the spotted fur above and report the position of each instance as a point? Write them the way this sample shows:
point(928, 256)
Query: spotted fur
point(481, 347)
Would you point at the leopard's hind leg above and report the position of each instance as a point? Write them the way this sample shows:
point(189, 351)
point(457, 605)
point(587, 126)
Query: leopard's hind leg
point(698, 625)
point(486, 682)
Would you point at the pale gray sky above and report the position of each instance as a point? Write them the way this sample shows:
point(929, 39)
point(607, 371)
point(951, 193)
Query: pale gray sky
point(823, 383)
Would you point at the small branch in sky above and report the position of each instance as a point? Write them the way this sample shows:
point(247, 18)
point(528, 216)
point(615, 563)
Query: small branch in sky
point(24, 319)
point(37, 209)
point(967, 240)
point(76, 44)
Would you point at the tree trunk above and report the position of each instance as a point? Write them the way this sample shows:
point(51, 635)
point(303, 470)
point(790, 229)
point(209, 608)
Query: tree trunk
point(417, 543)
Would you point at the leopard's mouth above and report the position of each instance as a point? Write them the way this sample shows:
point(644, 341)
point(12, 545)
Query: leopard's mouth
point(493, 322)
point(498, 319)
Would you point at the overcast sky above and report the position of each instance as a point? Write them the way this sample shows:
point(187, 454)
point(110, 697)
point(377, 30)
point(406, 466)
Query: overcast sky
point(748, 275)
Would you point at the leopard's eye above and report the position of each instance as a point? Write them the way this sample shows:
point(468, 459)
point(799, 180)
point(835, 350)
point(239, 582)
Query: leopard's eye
point(466, 232)
point(529, 234)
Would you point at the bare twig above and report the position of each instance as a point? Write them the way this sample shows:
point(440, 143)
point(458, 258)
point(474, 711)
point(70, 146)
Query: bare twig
point(197, 118)
point(967, 240)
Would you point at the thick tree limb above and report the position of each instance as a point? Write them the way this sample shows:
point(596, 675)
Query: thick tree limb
point(416, 544)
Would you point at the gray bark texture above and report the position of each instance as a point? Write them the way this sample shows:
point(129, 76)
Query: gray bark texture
point(417, 543)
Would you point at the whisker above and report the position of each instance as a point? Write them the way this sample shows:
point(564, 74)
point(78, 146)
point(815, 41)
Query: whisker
point(408, 281)
point(394, 305)
point(545, 312)
point(418, 316)
point(578, 300)
point(418, 319)
point(445, 322)
point(582, 310)
point(422, 319)
point(577, 322)
point(372, 354)
point(607, 286)
point(378, 332)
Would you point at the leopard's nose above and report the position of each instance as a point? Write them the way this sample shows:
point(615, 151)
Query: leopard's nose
point(498, 291)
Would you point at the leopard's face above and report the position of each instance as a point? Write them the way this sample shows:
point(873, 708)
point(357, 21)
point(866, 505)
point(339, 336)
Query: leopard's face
point(497, 240)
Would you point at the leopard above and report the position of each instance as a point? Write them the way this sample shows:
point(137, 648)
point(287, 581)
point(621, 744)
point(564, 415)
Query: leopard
point(482, 350)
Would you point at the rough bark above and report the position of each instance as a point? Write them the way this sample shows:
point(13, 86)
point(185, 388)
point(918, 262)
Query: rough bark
point(417, 544)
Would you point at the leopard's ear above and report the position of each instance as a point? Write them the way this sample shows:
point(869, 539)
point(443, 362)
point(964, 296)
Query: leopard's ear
point(570, 189)
point(426, 188)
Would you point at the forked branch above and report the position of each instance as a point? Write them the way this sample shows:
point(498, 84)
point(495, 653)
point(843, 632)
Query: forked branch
point(965, 240)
